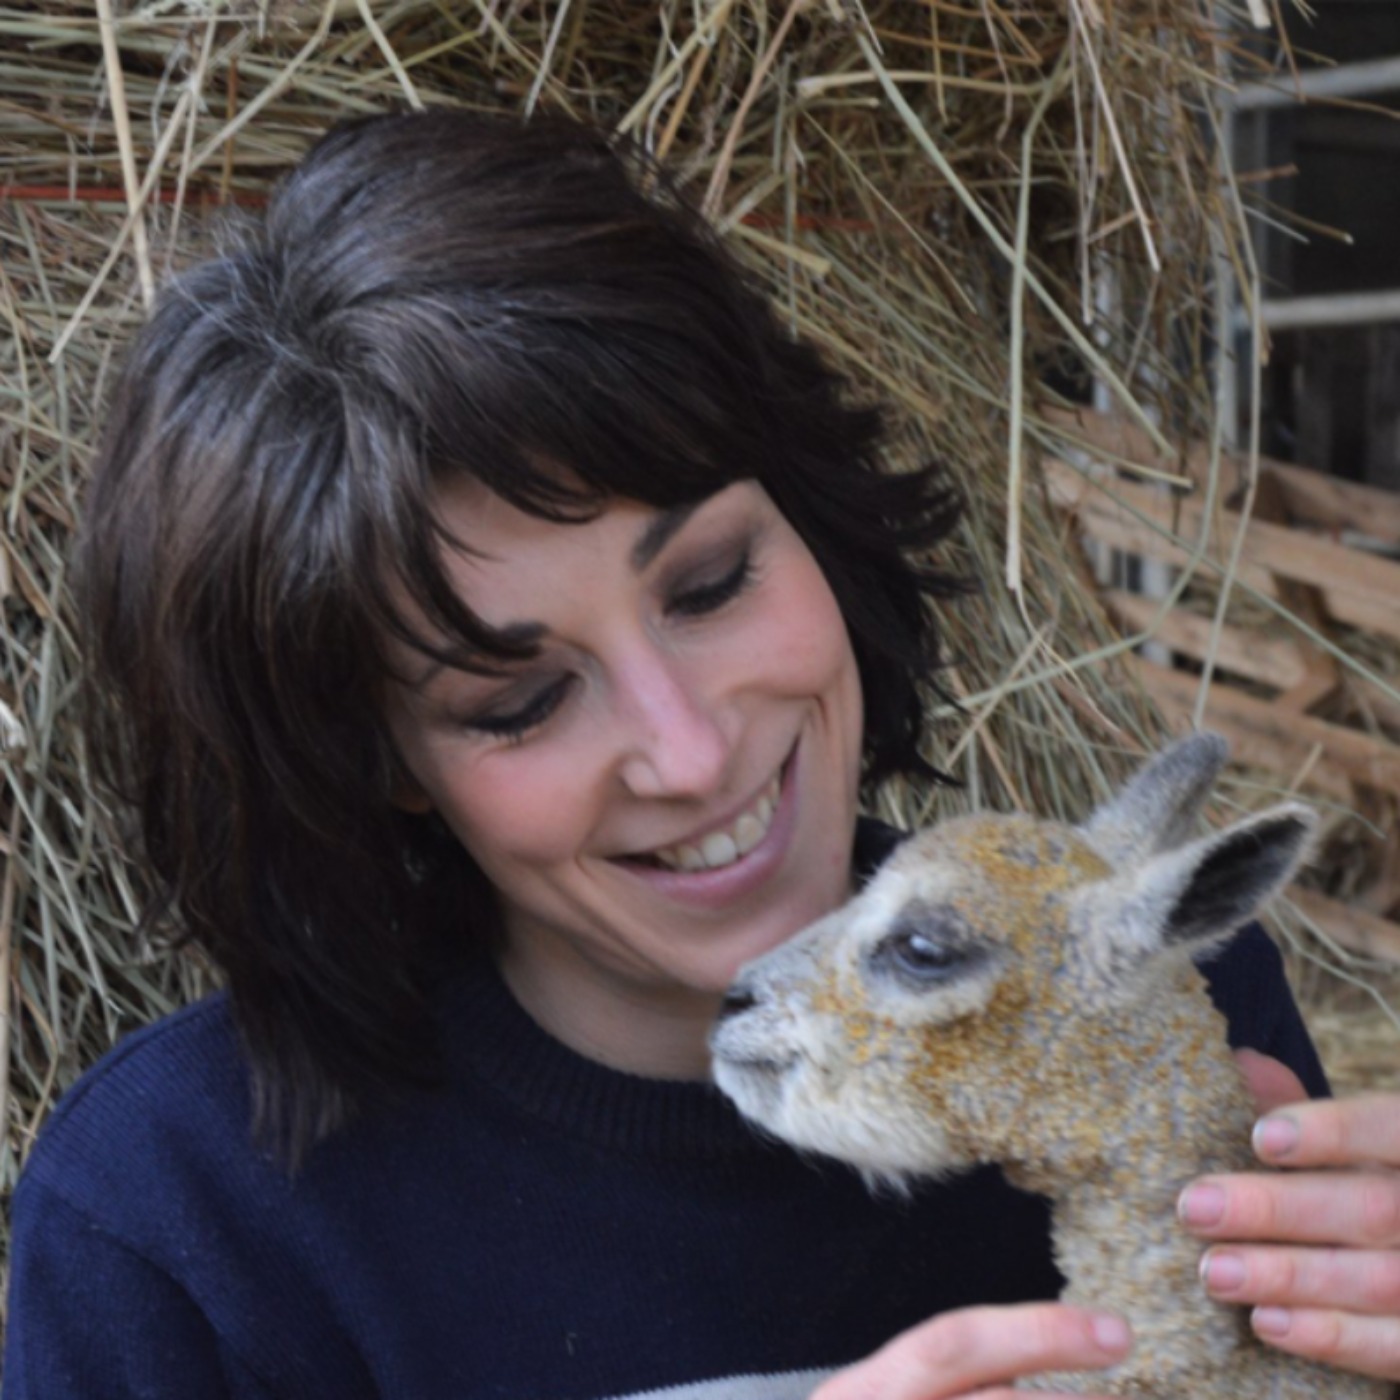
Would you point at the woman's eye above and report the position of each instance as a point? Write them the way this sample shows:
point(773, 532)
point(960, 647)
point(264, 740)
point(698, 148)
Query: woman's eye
point(704, 598)
point(515, 724)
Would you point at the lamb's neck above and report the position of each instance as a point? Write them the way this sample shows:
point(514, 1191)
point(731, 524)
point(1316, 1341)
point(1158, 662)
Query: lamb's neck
point(1177, 1108)
point(1122, 1246)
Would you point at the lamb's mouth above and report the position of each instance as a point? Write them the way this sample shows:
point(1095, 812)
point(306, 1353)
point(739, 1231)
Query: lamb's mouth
point(761, 1066)
point(755, 1085)
point(725, 846)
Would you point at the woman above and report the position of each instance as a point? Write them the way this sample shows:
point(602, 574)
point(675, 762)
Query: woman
point(494, 619)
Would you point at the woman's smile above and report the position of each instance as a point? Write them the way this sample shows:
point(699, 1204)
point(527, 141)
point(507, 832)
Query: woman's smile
point(667, 785)
point(726, 860)
point(724, 842)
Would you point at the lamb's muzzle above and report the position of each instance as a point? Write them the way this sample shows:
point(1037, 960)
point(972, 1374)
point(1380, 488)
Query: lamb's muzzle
point(737, 999)
point(1021, 992)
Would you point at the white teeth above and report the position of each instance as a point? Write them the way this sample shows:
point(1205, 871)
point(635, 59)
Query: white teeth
point(748, 832)
point(721, 848)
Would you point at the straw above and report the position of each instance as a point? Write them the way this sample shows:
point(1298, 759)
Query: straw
point(116, 85)
point(939, 194)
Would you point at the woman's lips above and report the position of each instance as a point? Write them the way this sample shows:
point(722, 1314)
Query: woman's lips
point(721, 884)
point(725, 844)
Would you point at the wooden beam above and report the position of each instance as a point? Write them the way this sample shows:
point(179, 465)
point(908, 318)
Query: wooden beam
point(1313, 496)
point(1287, 740)
point(1339, 505)
point(1304, 600)
point(1320, 684)
point(1099, 517)
point(1250, 745)
point(1382, 618)
point(1381, 893)
point(1246, 653)
point(1381, 706)
point(1269, 660)
point(1353, 582)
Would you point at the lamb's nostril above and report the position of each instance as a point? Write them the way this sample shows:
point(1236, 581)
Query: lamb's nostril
point(738, 998)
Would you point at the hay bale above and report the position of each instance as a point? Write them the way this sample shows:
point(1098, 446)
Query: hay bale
point(973, 209)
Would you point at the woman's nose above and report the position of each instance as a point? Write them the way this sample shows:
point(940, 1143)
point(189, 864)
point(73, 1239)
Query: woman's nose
point(672, 742)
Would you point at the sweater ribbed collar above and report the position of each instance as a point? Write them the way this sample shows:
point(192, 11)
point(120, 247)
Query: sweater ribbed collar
point(492, 1040)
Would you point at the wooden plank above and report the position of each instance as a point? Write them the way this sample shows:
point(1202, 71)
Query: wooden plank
point(1105, 520)
point(1381, 893)
point(1381, 618)
point(1306, 601)
point(1352, 581)
point(1115, 527)
point(1320, 684)
point(1290, 553)
point(1312, 495)
point(1265, 659)
point(1381, 706)
point(1348, 926)
point(1249, 745)
point(1290, 738)
point(1340, 505)
point(1269, 660)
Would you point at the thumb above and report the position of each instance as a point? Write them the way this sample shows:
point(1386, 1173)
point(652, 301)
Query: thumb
point(1271, 1082)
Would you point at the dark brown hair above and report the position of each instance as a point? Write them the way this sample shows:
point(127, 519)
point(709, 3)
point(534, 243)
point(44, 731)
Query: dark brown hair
point(428, 295)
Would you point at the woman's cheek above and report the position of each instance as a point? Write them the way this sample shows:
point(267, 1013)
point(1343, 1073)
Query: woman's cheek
point(518, 805)
point(817, 658)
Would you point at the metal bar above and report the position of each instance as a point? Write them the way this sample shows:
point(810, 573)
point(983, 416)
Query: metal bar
point(1340, 309)
point(1372, 75)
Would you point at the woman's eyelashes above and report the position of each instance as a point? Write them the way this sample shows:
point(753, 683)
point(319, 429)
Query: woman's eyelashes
point(696, 600)
point(513, 725)
point(690, 600)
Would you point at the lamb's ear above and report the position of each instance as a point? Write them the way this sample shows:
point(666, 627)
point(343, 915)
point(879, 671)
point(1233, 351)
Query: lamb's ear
point(1234, 873)
point(1198, 894)
point(1155, 811)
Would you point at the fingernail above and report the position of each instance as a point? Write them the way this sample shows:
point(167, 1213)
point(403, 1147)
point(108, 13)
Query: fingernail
point(1222, 1273)
point(1111, 1332)
point(1275, 1136)
point(1201, 1205)
point(1271, 1322)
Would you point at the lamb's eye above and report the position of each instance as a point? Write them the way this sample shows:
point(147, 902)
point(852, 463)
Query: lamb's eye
point(927, 952)
point(923, 956)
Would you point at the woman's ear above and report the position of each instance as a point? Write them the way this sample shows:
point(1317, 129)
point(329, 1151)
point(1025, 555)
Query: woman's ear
point(406, 794)
point(410, 798)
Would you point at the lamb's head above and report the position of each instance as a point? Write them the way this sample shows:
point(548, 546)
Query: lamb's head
point(970, 1004)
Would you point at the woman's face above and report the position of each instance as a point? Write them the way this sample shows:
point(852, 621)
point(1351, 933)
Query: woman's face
point(669, 787)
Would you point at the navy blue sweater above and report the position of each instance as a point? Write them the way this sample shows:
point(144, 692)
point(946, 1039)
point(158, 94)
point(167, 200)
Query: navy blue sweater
point(541, 1227)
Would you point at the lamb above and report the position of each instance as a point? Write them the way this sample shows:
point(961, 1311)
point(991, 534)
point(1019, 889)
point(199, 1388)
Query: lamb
point(1021, 992)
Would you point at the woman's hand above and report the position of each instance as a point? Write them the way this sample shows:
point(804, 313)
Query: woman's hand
point(974, 1354)
point(1316, 1248)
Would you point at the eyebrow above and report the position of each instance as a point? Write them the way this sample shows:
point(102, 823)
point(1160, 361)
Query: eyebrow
point(655, 535)
point(659, 529)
